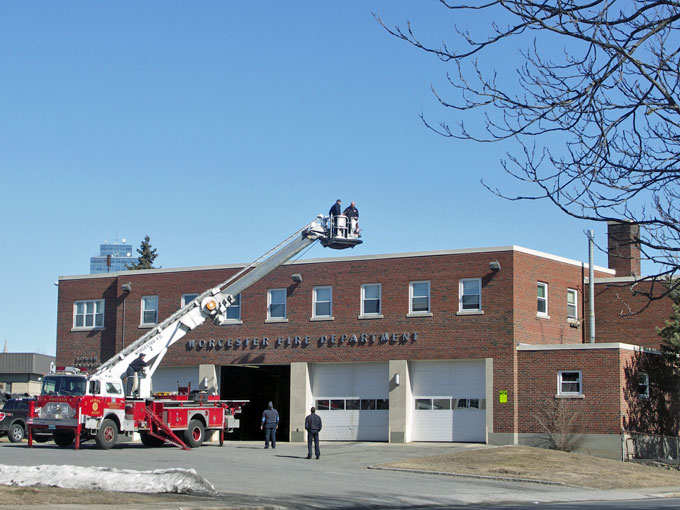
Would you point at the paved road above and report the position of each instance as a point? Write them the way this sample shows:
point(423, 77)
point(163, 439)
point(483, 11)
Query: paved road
point(248, 474)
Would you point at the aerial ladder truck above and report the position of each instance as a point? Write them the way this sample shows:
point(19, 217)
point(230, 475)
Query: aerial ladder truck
point(76, 406)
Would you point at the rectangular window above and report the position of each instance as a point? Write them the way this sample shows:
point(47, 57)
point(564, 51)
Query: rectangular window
point(572, 304)
point(114, 388)
point(441, 403)
point(383, 403)
point(368, 404)
point(323, 302)
point(542, 296)
point(424, 404)
point(88, 314)
point(419, 297)
point(337, 405)
point(352, 404)
point(188, 298)
point(643, 385)
point(149, 310)
point(276, 304)
point(234, 310)
point(322, 405)
point(370, 299)
point(470, 293)
point(569, 382)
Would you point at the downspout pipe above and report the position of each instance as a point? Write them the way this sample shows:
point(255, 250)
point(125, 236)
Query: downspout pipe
point(591, 286)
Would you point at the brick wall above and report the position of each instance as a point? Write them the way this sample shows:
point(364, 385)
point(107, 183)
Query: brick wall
point(621, 316)
point(601, 405)
point(508, 318)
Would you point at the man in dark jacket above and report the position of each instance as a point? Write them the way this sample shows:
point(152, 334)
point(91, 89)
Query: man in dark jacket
point(336, 208)
point(270, 422)
point(352, 214)
point(313, 426)
point(351, 211)
point(131, 373)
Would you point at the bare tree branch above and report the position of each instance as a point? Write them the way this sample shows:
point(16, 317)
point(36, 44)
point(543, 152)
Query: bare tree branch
point(594, 105)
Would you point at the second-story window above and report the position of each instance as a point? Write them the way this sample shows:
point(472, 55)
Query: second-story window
point(470, 293)
point(149, 310)
point(572, 304)
point(88, 314)
point(323, 302)
point(188, 298)
point(234, 310)
point(419, 297)
point(370, 299)
point(276, 304)
point(542, 296)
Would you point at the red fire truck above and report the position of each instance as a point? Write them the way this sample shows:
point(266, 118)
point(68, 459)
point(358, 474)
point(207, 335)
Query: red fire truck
point(74, 406)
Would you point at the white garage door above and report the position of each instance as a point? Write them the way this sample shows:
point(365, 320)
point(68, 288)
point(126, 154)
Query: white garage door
point(449, 401)
point(352, 400)
point(169, 378)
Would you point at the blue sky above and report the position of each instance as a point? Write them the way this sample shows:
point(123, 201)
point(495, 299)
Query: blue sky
point(218, 128)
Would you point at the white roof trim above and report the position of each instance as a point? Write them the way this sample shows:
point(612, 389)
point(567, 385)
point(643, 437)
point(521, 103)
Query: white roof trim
point(586, 347)
point(433, 253)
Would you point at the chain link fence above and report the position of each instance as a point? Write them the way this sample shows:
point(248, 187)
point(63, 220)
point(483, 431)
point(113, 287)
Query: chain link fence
point(638, 446)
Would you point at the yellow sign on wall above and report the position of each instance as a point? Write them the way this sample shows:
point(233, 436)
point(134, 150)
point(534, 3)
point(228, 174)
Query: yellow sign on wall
point(503, 397)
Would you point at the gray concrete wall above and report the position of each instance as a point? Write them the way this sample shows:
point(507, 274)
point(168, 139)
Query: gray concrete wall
point(607, 446)
point(209, 372)
point(400, 402)
point(490, 402)
point(300, 400)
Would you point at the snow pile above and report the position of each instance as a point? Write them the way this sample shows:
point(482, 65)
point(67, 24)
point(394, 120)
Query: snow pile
point(175, 480)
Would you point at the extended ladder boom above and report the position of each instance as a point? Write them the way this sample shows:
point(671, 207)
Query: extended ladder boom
point(213, 303)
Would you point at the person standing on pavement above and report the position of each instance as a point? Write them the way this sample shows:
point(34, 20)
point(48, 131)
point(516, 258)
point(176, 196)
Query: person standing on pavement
point(270, 423)
point(313, 426)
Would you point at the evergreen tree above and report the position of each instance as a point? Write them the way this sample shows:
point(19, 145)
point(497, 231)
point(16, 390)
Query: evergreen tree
point(146, 256)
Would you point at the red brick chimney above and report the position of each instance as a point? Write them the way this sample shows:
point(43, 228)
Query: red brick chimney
point(624, 248)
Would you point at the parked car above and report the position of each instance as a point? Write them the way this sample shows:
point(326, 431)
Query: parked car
point(13, 417)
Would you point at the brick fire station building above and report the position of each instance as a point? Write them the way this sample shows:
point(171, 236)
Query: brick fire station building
point(459, 345)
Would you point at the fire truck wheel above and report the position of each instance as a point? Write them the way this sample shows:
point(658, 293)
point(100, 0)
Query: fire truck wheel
point(195, 434)
point(107, 434)
point(15, 432)
point(63, 438)
point(150, 441)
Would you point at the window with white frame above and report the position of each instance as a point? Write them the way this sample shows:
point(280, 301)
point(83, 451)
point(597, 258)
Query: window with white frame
point(419, 297)
point(88, 314)
point(370, 299)
point(643, 385)
point(276, 304)
point(323, 302)
point(569, 382)
point(470, 295)
point(572, 304)
point(234, 309)
point(188, 298)
point(542, 297)
point(149, 310)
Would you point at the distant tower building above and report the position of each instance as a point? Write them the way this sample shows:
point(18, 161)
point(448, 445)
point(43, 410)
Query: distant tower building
point(112, 258)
